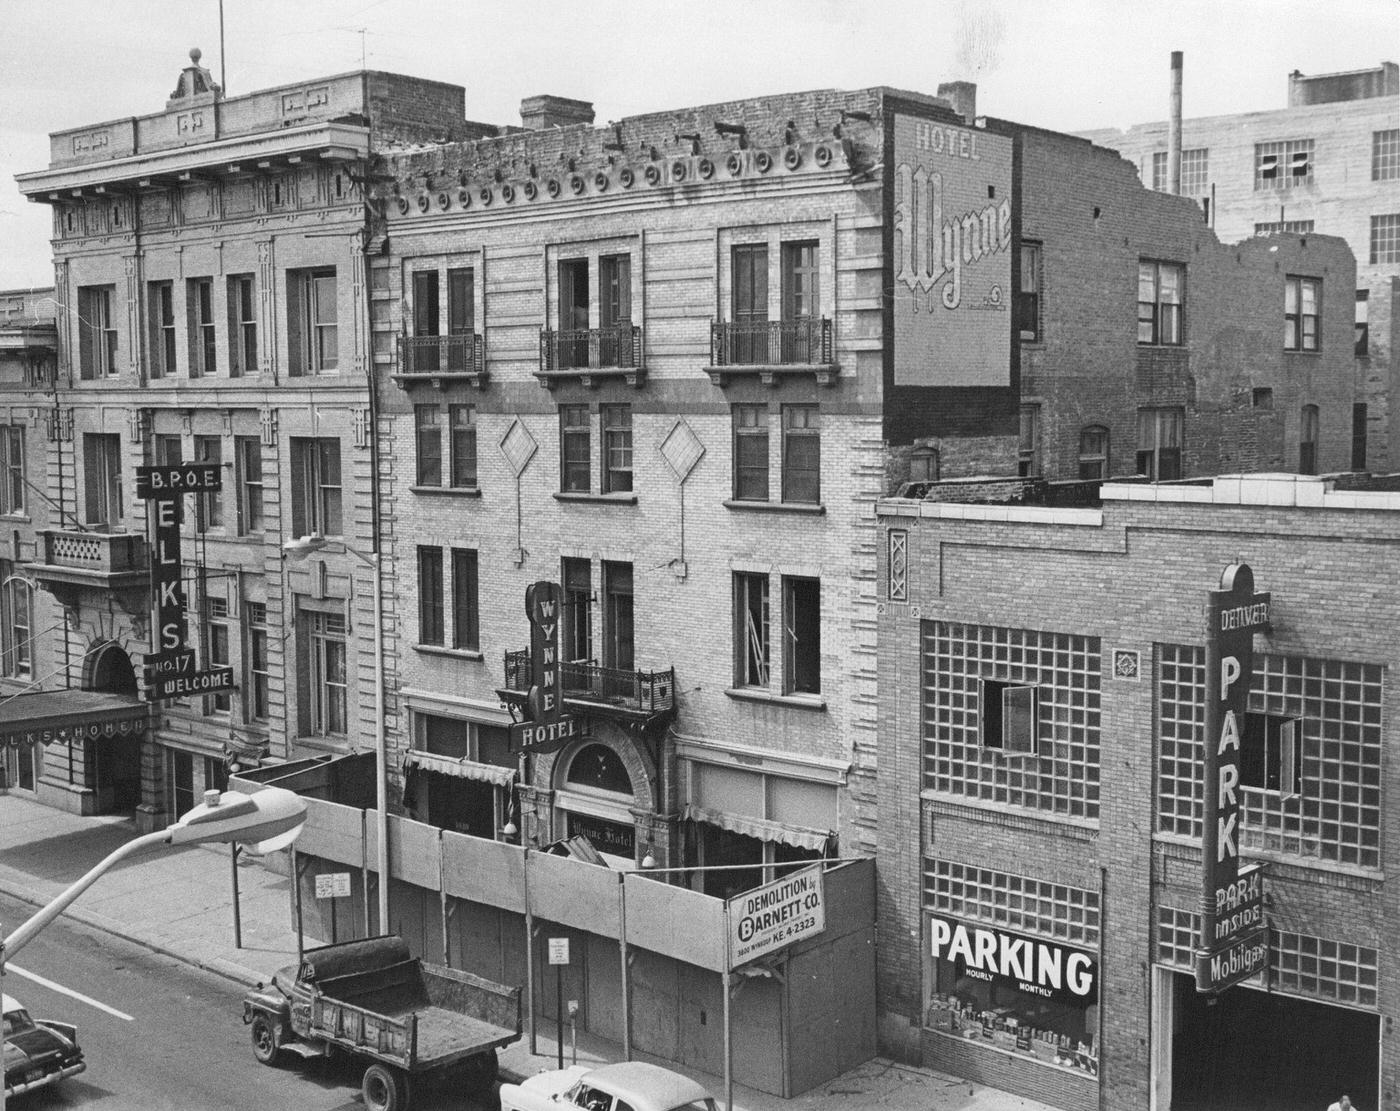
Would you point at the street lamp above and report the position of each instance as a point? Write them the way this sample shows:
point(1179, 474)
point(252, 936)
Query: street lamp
point(268, 820)
point(298, 550)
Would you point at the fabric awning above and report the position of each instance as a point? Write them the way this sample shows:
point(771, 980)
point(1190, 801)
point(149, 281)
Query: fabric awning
point(810, 839)
point(44, 717)
point(463, 769)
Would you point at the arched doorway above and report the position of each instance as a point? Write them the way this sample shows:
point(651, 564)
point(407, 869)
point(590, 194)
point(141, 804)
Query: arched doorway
point(115, 761)
point(594, 797)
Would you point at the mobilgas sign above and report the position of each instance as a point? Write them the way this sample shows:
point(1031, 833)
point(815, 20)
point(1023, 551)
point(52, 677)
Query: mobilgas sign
point(776, 914)
point(1030, 964)
point(1234, 613)
point(548, 728)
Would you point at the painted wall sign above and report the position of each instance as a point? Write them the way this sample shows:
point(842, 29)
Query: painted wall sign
point(549, 728)
point(1031, 964)
point(776, 914)
point(952, 255)
point(1234, 613)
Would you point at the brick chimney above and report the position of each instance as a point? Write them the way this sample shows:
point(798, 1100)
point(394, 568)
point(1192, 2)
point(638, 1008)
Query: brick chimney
point(962, 95)
point(540, 112)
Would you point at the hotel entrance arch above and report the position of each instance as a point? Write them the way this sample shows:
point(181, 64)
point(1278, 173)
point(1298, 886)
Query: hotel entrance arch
point(115, 762)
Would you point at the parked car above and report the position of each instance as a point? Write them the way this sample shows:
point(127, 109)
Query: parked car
point(37, 1053)
point(624, 1086)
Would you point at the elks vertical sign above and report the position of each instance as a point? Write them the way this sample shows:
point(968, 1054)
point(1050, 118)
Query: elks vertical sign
point(549, 728)
point(1234, 942)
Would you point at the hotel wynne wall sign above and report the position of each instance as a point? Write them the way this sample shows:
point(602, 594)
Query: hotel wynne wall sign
point(1234, 942)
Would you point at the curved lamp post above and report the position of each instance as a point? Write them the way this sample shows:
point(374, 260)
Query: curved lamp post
point(298, 550)
point(267, 820)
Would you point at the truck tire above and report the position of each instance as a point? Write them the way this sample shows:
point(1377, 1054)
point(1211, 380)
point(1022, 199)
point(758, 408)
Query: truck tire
point(383, 1089)
point(265, 1040)
point(478, 1073)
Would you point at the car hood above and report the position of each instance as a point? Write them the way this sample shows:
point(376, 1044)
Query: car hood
point(555, 1080)
point(33, 1046)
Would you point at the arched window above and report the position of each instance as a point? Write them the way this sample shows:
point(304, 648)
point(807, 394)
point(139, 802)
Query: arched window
point(18, 617)
point(599, 767)
point(1307, 440)
point(1093, 452)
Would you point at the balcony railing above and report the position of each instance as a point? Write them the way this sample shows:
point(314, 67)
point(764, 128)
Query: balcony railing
point(438, 356)
point(618, 347)
point(590, 687)
point(806, 341)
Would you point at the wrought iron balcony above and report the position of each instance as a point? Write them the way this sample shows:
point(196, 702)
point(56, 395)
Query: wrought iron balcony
point(441, 358)
point(771, 347)
point(72, 559)
point(587, 353)
point(638, 697)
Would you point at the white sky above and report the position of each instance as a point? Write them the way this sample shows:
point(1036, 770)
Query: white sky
point(1068, 65)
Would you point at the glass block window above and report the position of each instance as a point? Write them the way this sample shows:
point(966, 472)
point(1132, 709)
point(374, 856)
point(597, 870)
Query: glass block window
point(1063, 777)
point(1385, 154)
point(1283, 164)
point(1385, 238)
point(1270, 227)
point(1337, 814)
point(1299, 964)
point(1017, 903)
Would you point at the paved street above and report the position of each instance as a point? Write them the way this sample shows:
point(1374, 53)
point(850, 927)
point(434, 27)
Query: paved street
point(160, 1034)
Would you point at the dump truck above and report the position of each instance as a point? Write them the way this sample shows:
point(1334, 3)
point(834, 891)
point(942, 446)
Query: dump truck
point(407, 1020)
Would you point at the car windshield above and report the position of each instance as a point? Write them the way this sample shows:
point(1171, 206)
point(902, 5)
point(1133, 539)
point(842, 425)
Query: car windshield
point(17, 1021)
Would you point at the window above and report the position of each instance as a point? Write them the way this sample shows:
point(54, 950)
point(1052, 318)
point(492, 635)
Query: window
point(97, 333)
point(102, 478)
point(199, 294)
point(574, 449)
point(618, 649)
point(256, 682)
point(573, 312)
point(242, 327)
point(461, 424)
point(466, 608)
point(617, 449)
point(1358, 436)
point(802, 454)
point(168, 451)
point(160, 297)
point(1159, 444)
point(18, 602)
point(311, 321)
point(209, 507)
point(428, 426)
point(577, 625)
point(461, 301)
point(1093, 452)
point(216, 650)
point(316, 486)
point(1385, 238)
point(1027, 306)
point(12, 499)
point(802, 636)
point(801, 300)
point(1301, 298)
point(1302, 227)
point(1284, 164)
point(751, 453)
point(1362, 332)
point(749, 268)
point(1009, 717)
point(327, 704)
point(1385, 155)
point(248, 460)
point(1271, 754)
point(1028, 447)
point(1307, 440)
point(181, 781)
point(615, 311)
point(425, 314)
point(1195, 172)
point(215, 774)
point(430, 629)
point(1160, 288)
point(924, 465)
point(751, 648)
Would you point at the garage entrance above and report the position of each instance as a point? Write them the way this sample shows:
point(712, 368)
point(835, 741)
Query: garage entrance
point(1250, 1050)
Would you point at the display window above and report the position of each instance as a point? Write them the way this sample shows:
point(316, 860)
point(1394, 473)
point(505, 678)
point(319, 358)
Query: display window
point(1022, 994)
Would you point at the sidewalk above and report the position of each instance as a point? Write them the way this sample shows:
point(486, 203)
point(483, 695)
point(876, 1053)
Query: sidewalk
point(180, 902)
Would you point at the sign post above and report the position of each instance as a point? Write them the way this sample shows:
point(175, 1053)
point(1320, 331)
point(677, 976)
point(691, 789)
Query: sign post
point(1234, 941)
point(559, 957)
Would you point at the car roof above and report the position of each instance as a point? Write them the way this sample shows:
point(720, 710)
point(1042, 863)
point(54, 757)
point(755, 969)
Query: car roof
point(9, 1003)
point(645, 1086)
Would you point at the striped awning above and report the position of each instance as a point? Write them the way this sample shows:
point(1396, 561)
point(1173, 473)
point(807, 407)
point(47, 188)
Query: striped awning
point(462, 768)
point(812, 840)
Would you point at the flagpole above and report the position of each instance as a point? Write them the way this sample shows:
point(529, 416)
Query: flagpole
point(223, 63)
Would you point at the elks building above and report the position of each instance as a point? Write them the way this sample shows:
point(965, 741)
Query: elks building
point(550, 458)
point(1133, 833)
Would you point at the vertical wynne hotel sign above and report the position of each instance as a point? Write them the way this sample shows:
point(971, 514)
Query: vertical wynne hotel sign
point(952, 255)
point(1234, 942)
